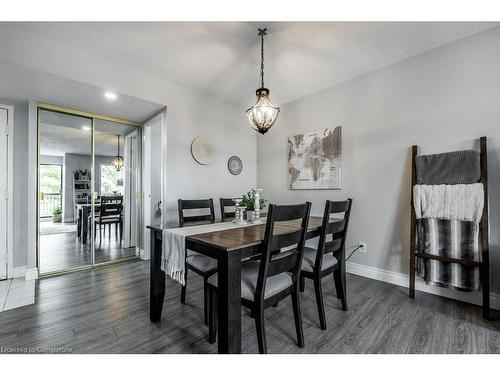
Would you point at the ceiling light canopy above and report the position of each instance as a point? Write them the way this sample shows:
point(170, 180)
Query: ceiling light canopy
point(263, 114)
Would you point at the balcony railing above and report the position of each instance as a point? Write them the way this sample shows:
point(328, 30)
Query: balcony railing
point(49, 202)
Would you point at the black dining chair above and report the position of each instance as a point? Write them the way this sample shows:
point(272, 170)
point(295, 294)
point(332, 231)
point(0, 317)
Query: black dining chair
point(329, 257)
point(198, 263)
point(275, 276)
point(110, 212)
point(226, 202)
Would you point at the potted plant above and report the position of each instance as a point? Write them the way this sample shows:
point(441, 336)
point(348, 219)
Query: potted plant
point(248, 201)
point(57, 215)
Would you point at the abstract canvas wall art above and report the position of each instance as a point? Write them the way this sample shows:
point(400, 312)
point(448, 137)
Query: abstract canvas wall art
point(315, 160)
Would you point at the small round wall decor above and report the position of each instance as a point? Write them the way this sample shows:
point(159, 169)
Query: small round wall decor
point(234, 165)
point(203, 150)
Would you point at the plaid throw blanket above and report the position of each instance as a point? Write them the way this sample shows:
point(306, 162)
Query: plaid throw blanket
point(450, 238)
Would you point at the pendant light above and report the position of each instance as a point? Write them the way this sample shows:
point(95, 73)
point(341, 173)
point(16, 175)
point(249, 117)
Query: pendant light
point(264, 113)
point(118, 160)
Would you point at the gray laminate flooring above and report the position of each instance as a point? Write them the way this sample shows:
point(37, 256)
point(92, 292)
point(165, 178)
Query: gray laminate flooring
point(106, 310)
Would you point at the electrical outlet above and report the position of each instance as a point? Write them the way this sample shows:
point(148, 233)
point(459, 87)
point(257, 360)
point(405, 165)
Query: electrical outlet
point(362, 247)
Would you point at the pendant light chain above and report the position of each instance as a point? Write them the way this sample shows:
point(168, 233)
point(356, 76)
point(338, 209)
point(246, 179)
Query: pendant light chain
point(262, 32)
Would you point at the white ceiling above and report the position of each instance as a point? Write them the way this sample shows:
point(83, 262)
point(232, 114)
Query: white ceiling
point(223, 58)
point(19, 83)
point(61, 134)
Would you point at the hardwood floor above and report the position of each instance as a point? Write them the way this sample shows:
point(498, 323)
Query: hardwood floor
point(59, 251)
point(106, 310)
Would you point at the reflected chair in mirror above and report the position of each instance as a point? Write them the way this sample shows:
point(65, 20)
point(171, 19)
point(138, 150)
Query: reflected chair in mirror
point(198, 263)
point(329, 257)
point(225, 203)
point(110, 212)
point(275, 276)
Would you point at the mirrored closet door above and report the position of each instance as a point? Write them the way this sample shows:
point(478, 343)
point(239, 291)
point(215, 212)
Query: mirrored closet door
point(89, 190)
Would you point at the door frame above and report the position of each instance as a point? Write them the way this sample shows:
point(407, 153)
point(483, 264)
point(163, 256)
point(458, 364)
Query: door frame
point(10, 189)
point(92, 116)
point(146, 177)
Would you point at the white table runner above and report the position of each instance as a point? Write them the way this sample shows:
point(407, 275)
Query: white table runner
point(173, 253)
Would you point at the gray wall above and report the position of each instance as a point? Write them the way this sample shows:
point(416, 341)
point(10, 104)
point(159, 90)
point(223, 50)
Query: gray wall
point(186, 179)
point(20, 183)
point(78, 161)
point(442, 100)
point(50, 159)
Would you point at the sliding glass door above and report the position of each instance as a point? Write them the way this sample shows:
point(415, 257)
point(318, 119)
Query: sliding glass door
point(89, 189)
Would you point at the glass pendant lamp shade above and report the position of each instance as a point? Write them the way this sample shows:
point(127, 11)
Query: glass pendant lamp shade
point(264, 113)
point(117, 161)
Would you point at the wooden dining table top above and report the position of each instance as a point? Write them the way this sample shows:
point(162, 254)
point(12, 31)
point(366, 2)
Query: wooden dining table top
point(242, 236)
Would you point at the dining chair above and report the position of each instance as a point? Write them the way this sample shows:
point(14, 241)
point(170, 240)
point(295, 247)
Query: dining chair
point(226, 202)
point(329, 257)
point(275, 276)
point(110, 212)
point(198, 263)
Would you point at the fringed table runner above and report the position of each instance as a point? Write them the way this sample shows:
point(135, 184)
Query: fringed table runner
point(173, 253)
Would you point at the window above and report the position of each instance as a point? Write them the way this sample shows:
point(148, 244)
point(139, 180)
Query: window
point(51, 187)
point(111, 180)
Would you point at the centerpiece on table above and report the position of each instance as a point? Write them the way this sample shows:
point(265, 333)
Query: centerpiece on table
point(253, 203)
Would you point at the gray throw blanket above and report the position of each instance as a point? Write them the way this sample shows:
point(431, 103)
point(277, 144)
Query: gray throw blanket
point(449, 238)
point(451, 168)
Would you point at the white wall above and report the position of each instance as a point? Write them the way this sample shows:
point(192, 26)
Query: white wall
point(189, 114)
point(442, 100)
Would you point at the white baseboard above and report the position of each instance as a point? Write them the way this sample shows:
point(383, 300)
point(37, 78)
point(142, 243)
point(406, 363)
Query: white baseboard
point(31, 274)
point(18, 271)
point(28, 274)
point(402, 279)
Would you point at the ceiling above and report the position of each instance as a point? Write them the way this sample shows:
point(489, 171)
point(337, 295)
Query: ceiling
point(19, 83)
point(61, 134)
point(222, 59)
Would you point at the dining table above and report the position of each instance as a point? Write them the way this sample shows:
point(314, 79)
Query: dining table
point(83, 210)
point(229, 247)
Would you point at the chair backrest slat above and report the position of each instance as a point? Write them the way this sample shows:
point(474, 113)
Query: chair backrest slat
point(280, 241)
point(333, 233)
point(282, 262)
point(226, 202)
point(111, 209)
point(286, 227)
point(196, 204)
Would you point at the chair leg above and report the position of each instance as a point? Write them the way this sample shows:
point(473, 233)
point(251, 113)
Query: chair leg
point(261, 330)
point(297, 316)
point(205, 300)
point(340, 285)
point(183, 289)
point(100, 234)
point(302, 284)
point(212, 315)
point(319, 302)
point(116, 230)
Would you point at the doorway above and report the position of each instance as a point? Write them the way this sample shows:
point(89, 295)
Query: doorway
point(6, 115)
point(89, 190)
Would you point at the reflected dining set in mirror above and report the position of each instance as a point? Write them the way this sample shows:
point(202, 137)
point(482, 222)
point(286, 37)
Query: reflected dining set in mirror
point(108, 211)
point(251, 263)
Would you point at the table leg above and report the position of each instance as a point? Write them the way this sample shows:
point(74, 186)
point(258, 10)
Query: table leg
point(85, 223)
point(157, 279)
point(79, 222)
point(229, 302)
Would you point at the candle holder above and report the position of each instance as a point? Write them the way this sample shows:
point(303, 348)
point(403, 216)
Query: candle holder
point(256, 194)
point(241, 215)
point(237, 202)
